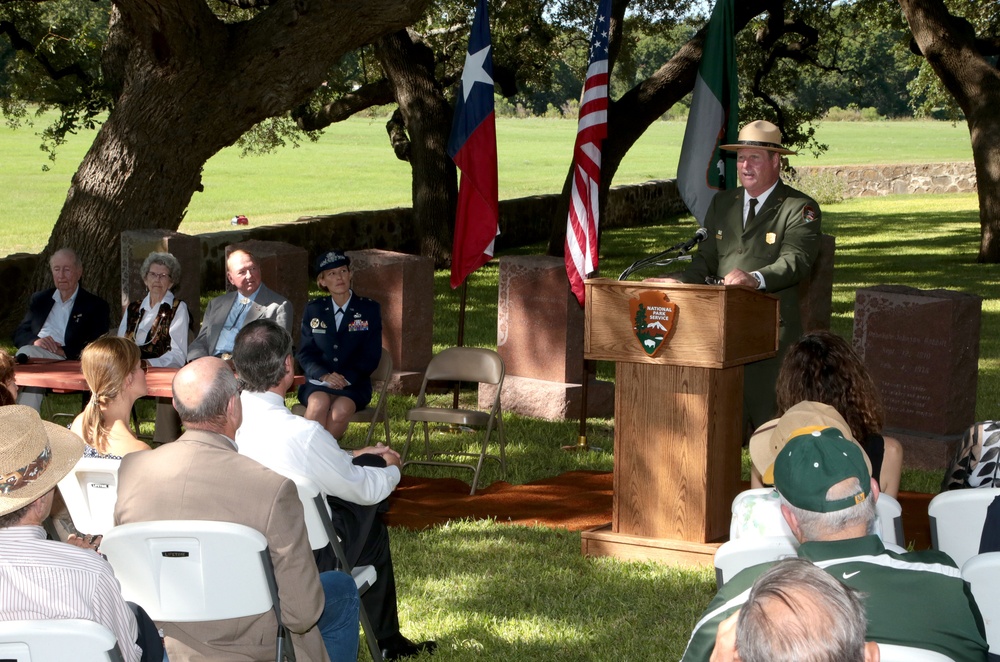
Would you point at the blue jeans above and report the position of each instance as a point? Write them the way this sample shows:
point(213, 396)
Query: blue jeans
point(339, 622)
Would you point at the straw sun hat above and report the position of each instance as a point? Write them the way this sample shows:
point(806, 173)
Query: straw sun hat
point(760, 135)
point(34, 456)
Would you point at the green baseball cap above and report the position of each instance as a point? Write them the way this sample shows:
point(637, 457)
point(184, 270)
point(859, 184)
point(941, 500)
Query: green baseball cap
point(810, 464)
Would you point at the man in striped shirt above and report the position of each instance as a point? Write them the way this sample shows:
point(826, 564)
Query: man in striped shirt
point(46, 579)
point(914, 600)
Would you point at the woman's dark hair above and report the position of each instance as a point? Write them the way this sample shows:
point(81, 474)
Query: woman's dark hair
point(822, 367)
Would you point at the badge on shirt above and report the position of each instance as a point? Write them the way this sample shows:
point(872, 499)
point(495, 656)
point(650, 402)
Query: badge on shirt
point(808, 214)
point(358, 325)
point(770, 238)
point(314, 322)
point(718, 235)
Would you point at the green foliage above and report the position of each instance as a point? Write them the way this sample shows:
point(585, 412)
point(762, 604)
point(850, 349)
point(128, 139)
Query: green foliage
point(852, 114)
point(824, 187)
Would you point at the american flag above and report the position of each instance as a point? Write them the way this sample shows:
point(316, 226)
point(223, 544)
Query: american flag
point(581, 226)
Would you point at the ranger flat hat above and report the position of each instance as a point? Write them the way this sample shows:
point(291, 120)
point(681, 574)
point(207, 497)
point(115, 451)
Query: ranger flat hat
point(759, 134)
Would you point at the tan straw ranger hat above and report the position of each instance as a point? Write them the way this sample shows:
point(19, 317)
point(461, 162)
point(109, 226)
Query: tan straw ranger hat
point(761, 135)
point(34, 456)
point(803, 418)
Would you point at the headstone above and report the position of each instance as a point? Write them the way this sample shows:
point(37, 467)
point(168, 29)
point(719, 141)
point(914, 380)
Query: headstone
point(404, 286)
point(284, 268)
point(540, 338)
point(816, 291)
point(137, 244)
point(922, 349)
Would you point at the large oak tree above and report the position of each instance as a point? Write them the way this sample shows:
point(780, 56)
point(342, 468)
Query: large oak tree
point(184, 83)
point(966, 63)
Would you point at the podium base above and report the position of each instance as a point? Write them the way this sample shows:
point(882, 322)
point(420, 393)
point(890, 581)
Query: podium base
point(601, 541)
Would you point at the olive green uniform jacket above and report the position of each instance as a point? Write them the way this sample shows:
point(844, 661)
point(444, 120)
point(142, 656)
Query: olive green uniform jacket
point(781, 243)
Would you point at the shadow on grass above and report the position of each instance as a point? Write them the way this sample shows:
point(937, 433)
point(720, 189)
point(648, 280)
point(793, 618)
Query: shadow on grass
point(496, 592)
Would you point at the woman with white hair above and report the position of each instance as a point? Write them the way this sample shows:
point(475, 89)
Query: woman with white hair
point(159, 323)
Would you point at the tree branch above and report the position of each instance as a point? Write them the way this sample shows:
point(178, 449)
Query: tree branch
point(373, 94)
point(21, 44)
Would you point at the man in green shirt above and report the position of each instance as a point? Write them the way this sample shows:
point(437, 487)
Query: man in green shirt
point(913, 600)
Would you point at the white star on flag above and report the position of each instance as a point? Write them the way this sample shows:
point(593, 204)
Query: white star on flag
point(474, 72)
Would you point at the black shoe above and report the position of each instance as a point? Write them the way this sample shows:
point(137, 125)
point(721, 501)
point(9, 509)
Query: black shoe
point(399, 647)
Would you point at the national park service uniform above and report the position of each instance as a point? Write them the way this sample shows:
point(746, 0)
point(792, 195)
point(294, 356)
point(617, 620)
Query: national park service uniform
point(781, 243)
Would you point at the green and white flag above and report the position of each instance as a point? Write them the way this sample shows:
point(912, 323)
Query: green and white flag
point(704, 169)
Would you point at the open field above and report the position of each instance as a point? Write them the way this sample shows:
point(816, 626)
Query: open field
point(351, 167)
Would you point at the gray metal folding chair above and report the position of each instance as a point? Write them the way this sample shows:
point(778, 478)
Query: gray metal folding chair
point(380, 412)
point(461, 364)
point(197, 570)
point(319, 526)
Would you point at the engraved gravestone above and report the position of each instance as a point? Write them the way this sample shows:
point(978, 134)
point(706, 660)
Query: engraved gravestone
point(922, 349)
point(540, 338)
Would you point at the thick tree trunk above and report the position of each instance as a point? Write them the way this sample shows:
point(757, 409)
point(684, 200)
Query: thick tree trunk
point(427, 117)
point(190, 85)
point(949, 44)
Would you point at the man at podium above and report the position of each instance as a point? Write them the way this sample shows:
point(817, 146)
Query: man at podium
point(763, 235)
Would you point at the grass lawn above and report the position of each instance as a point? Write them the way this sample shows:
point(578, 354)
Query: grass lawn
point(351, 167)
point(488, 591)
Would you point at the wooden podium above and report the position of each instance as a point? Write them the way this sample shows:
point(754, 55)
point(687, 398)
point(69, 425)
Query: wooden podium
point(678, 411)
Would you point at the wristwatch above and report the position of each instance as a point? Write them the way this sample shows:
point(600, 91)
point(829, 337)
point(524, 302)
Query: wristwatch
point(759, 279)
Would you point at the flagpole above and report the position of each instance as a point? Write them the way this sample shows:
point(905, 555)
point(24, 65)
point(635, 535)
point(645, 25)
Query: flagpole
point(461, 333)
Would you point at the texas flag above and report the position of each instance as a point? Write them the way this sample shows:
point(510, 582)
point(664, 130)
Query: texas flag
point(473, 148)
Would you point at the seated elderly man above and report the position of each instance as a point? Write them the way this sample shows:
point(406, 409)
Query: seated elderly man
point(915, 600)
point(201, 476)
point(796, 612)
point(226, 314)
point(45, 579)
point(60, 321)
point(291, 444)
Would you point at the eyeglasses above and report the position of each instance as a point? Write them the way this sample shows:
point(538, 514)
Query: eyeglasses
point(156, 276)
point(144, 365)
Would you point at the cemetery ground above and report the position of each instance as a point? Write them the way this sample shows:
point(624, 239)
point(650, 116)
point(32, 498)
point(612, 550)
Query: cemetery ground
point(490, 591)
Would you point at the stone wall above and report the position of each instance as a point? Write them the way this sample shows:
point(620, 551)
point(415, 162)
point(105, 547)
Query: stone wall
point(871, 180)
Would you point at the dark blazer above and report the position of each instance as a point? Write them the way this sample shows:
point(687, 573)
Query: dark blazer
point(353, 351)
point(268, 305)
point(88, 321)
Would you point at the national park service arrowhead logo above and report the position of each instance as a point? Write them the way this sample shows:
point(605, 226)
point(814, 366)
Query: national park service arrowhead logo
point(652, 319)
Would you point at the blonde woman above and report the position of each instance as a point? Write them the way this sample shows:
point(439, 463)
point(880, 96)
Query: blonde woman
point(116, 376)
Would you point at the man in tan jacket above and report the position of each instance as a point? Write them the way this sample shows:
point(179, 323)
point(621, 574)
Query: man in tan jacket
point(201, 476)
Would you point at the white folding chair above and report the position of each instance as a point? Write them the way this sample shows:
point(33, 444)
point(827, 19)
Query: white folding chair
point(57, 640)
point(185, 571)
point(982, 571)
point(737, 555)
point(90, 491)
point(896, 653)
point(461, 364)
point(757, 513)
point(380, 412)
point(321, 533)
point(957, 518)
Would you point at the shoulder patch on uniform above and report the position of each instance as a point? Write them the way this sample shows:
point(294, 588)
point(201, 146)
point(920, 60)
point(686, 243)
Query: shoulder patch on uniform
point(808, 214)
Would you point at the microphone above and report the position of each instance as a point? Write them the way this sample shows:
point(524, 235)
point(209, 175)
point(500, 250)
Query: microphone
point(699, 236)
point(21, 358)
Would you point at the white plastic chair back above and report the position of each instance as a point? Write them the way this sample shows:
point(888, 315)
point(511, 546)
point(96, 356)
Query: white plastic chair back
point(736, 555)
point(894, 653)
point(982, 572)
point(57, 640)
point(957, 518)
point(90, 491)
point(192, 570)
point(757, 513)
